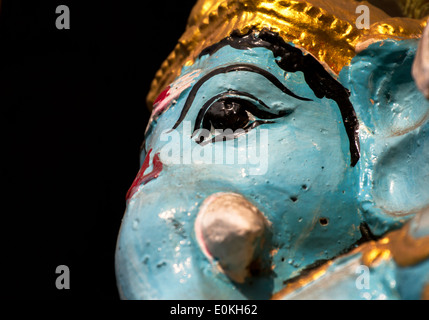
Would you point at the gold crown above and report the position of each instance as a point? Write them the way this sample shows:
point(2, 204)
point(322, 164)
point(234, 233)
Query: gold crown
point(325, 28)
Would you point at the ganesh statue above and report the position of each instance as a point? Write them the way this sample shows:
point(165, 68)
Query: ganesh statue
point(286, 157)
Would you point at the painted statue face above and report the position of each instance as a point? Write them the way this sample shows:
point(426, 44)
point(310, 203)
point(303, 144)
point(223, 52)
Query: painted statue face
point(241, 124)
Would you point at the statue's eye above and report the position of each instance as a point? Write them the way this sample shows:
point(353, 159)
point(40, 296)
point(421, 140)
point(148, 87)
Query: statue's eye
point(226, 117)
point(229, 113)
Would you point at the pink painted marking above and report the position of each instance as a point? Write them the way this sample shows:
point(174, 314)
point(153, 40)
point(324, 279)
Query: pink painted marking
point(172, 92)
point(145, 178)
point(162, 96)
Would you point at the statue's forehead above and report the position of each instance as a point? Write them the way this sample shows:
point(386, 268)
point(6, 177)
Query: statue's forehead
point(259, 57)
point(229, 55)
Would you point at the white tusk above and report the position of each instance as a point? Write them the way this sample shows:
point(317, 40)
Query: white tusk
point(230, 230)
point(421, 63)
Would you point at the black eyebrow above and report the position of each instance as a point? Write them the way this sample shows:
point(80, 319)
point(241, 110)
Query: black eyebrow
point(227, 69)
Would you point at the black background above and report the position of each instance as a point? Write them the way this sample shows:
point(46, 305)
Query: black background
point(72, 119)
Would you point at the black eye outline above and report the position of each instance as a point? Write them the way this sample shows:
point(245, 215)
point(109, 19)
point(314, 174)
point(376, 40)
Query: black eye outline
point(250, 108)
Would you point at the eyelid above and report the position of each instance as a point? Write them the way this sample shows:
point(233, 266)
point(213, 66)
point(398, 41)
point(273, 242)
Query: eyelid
point(222, 137)
point(207, 105)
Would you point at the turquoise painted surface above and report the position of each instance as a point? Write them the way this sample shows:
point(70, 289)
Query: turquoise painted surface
point(346, 279)
point(393, 131)
point(308, 176)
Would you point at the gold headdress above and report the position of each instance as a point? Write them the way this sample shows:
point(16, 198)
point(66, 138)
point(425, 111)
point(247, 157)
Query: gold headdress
point(325, 28)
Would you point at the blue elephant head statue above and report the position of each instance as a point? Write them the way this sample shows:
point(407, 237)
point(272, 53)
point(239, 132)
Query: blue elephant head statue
point(285, 137)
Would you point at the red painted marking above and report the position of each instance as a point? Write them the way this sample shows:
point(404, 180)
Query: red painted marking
point(141, 177)
point(162, 96)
